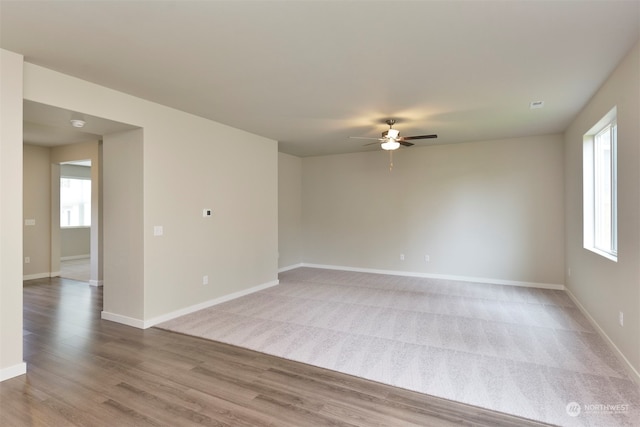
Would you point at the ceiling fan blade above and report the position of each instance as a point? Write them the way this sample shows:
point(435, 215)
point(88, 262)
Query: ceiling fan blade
point(406, 144)
point(371, 143)
point(364, 137)
point(409, 138)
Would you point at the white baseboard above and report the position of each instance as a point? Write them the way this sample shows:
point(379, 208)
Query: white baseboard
point(187, 310)
point(125, 320)
point(36, 276)
point(144, 324)
point(97, 283)
point(290, 267)
point(557, 287)
point(633, 373)
point(13, 371)
point(39, 276)
point(72, 257)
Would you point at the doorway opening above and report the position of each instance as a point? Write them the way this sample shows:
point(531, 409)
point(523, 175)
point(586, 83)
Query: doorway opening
point(75, 220)
point(53, 145)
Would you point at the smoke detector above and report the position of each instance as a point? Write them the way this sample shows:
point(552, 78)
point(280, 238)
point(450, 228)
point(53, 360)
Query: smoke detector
point(534, 105)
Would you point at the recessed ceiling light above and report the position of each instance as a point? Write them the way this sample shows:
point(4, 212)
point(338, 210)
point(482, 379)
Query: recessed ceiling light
point(77, 123)
point(536, 104)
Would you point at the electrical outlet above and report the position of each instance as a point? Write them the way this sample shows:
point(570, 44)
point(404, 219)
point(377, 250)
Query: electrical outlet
point(427, 258)
point(621, 318)
point(27, 260)
point(401, 257)
point(205, 280)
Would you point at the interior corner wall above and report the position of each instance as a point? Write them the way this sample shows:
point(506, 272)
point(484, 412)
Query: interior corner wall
point(188, 164)
point(604, 287)
point(289, 210)
point(11, 229)
point(490, 210)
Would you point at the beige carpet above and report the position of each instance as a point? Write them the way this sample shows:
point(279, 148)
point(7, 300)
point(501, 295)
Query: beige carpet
point(527, 352)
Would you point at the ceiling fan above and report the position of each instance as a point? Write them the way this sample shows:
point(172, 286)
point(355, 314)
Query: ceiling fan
point(391, 139)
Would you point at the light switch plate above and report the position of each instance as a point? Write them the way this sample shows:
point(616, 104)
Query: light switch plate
point(158, 230)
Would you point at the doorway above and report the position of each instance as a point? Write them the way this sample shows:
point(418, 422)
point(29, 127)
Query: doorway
point(54, 141)
point(75, 220)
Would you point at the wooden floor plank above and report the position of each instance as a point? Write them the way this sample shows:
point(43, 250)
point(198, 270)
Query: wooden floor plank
point(86, 371)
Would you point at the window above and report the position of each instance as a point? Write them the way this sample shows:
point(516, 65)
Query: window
point(75, 202)
point(600, 187)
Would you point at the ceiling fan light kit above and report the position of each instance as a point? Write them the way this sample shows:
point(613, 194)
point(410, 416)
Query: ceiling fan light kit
point(390, 145)
point(391, 140)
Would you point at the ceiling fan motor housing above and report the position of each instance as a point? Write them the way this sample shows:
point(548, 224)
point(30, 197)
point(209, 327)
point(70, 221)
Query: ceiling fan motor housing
point(391, 133)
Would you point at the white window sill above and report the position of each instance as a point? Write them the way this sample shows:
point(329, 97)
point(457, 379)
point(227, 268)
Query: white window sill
point(602, 253)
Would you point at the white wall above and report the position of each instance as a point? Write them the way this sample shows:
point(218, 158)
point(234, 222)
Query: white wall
point(75, 242)
point(602, 286)
point(11, 228)
point(188, 163)
point(37, 206)
point(289, 210)
point(123, 221)
point(490, 210)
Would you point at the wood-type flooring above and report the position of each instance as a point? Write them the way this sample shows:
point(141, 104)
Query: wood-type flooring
point(84, 371)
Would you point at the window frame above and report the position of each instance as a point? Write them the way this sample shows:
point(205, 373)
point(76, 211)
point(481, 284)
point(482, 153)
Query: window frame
point(598, 198)
point(79, 178)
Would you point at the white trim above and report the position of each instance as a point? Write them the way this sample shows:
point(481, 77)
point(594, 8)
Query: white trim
point(553, 286)
point(72, 257)
point(290, 267)
point(13, 371)
point(37, 276)
point(96, 283)
point(632, 371)
point(125, 320)
point(42, 276)
point(144, 324)
point(602, 253)
point(191, 309)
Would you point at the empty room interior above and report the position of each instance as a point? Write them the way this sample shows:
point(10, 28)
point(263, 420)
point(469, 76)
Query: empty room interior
point(320, 213)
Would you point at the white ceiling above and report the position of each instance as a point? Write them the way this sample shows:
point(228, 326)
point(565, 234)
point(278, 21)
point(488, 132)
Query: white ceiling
point(312, 73)
point(49, 126)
